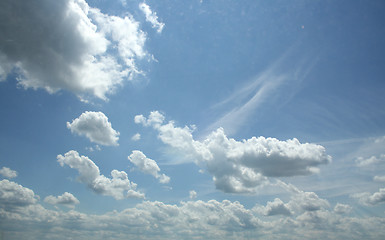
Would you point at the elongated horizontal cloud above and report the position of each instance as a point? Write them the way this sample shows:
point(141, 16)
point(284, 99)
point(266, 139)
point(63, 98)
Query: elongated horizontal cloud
point(66, 44)
point(147, 165)
point(118, 186)
point(96, 127)
point(151, 17)
point(240, 166)
point(8, 173)
point(66, 199)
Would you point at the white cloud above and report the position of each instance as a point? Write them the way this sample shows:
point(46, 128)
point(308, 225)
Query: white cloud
point(193, 194)
point(342, 208)
point(379, 178)
point(67, 45)
point(151, 17)
point(240, 166)
point(277, 207)
point(308, 201)
point(14, 195)
point(147, 165)
point(136, 137)
point(96, 127)
point(8, 173)
point(364, 162)
point(118, 186)
point(371, 199)
point(66, 199)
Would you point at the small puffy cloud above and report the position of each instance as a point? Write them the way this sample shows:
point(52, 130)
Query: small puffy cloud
point(96, 127)
point(14, 195)
point(371, 199)
point(193, 194)
point(8, 173)
point(147, 165)
point(72, 46)
point(136, 137)
point(342, 208)
point(364, 162)
point(118, 186)
point(277, 207)
point(308, 201)
point(151, 17)
point(379, 178)
point(240, 166)
point(66, 199)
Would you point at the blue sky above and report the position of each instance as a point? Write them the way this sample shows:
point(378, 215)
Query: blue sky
point(192, 119)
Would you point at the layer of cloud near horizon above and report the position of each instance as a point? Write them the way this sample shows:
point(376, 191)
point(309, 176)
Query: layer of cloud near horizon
point(239, 166)
point(209, 219)
point(65, 44)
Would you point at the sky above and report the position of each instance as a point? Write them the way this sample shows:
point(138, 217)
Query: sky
point(201, 119)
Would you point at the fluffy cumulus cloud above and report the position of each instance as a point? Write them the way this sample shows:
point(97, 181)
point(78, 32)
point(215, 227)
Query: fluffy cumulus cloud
point(8, 173)
point(240, 166)
point(147, 165)
point(151, 17)
point(66, 199)
point(14, 195)
point(119, 186)
point(371, 199)
point(66, 44)
point(96, 127)
point(276, 207)
point(342, 208)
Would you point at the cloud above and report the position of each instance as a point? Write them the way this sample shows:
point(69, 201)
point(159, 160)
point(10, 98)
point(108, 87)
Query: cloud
point(136, 137)
point(263, 89)
point(151, 17)
point(193, 194)
point(371, 199)
point(66, 199)
point(364, 162)
point(379, 178)
point(342, 208)
point(240, 166)
point(69, 45)
point(118, 186)
point(96, 127)
point(8, 173)
point(147, 165)
point(308, 201)
point(14, 195)
point(277, 207)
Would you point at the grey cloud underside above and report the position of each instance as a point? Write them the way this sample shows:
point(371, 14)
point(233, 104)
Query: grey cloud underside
point(65, 44)
point(240, 166)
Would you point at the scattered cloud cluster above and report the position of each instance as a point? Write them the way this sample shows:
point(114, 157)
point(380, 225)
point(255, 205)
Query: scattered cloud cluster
point(151, 17)
point(240, 166)
point(66, 199)
point(67, 44)
point(147, 165)
point(8, 173)
point(119, 186)
point(96, 127)
point(187, 220)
